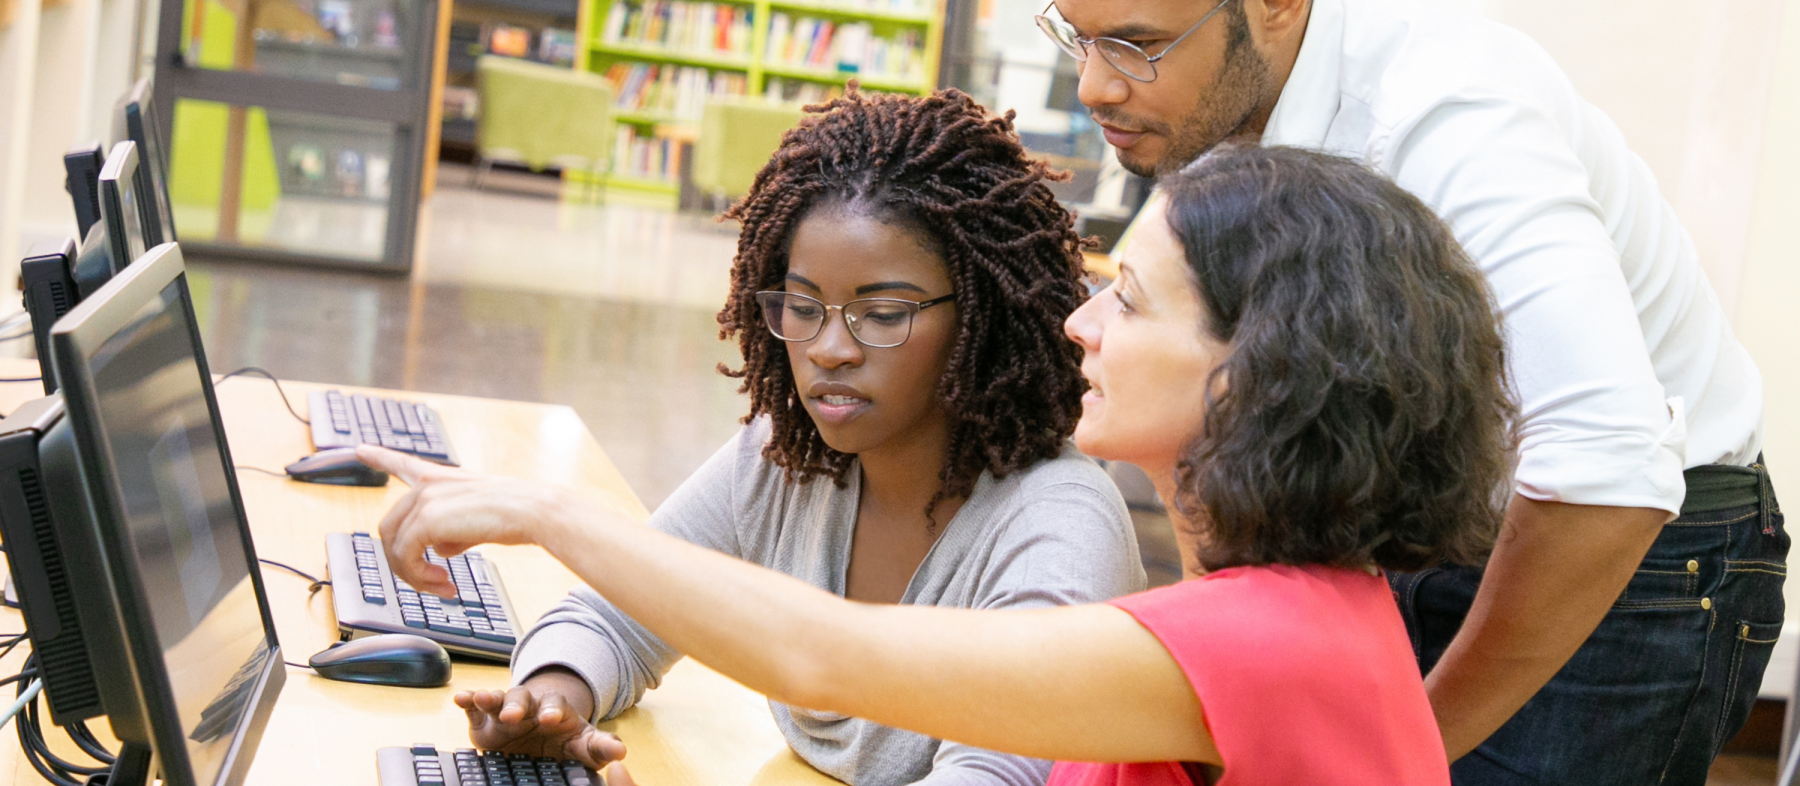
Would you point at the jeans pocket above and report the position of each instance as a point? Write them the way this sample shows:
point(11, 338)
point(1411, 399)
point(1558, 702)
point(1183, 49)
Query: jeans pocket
point(1750, 650)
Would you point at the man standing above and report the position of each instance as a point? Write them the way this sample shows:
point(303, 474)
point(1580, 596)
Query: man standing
point(1618, 633)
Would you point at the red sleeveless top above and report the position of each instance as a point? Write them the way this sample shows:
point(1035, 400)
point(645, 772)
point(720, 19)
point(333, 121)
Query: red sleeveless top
point(1305, 676)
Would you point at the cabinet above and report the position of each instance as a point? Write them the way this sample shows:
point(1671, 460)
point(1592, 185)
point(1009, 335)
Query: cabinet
point(297, 129)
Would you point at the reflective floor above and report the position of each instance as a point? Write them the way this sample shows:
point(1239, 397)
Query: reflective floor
point(520, 295)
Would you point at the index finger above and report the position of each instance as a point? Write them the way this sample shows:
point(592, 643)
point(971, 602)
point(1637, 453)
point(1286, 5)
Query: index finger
point(409, 469)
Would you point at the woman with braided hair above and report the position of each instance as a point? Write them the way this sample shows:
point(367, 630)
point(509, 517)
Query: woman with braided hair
point(898, 296)
point(1311, 370)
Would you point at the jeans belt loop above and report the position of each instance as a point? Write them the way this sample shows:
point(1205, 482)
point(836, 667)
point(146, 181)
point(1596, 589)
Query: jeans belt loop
point(1765, 496)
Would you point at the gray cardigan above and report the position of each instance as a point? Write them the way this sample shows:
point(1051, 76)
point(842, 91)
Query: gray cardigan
point(1056, 533)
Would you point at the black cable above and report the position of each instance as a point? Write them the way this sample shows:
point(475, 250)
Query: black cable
point(284, 398)
point(32, 744)
point(50, 757)
point(317, 582)
point(26, 379)
point(282, 475)
point(88, 743)
point(298, 665)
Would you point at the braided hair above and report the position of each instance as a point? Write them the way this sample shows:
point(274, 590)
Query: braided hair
point(957, 177)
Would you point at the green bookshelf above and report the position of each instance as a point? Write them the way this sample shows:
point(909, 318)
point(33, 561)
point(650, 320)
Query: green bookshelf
point(757, 68)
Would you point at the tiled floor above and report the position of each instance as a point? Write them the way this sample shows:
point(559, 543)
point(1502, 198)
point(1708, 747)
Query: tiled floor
point(607, 310)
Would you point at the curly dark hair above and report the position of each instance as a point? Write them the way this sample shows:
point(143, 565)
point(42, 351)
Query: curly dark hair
point(956, 177)
point(1364, 414)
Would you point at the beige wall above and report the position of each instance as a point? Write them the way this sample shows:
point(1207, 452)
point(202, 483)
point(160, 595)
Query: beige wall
point(1768, 318)
point(1709, 95)
point(1690, 85)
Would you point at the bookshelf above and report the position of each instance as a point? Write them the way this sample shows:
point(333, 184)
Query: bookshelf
point(666, 57)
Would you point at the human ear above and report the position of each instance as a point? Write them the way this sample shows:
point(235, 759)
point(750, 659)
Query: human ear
point(1274, 21)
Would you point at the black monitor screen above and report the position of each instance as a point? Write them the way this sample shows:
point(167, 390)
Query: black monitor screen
point(183, 527)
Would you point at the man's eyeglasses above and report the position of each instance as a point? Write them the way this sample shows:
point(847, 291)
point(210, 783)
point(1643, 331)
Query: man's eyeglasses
point(874, 322)
point(1120, 54)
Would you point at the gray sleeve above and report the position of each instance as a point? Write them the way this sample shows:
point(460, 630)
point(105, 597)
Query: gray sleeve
point(1071, 543)
point(618, 658)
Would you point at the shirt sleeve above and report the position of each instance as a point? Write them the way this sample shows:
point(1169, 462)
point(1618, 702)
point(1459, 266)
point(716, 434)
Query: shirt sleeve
point(1069, 544)
point(618, 658)
point(1596, 428)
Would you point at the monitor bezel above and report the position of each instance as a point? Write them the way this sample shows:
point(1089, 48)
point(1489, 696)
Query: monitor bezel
point(134, 113)
point(76, 337)
point(121, 168)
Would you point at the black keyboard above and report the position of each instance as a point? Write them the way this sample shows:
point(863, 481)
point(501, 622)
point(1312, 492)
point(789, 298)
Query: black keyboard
point(425, 765)
point(478, 622)
point(340, 421)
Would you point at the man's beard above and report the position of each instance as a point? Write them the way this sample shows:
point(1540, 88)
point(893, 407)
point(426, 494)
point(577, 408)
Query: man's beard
point(1216, 118)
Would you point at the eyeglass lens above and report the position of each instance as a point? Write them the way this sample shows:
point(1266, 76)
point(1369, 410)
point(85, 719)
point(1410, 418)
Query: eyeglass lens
point(874, 322)
point(1123, 56)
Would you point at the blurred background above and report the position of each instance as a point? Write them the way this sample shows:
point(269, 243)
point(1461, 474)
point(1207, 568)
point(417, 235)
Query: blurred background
point(517, 198)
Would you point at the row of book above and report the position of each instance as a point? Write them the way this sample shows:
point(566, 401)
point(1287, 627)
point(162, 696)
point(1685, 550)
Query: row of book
point(890, 6)
point(697, 28)
point(851, 48)
point(553, 45)
point(678, 92)
point(646, 156)
point(799, 91)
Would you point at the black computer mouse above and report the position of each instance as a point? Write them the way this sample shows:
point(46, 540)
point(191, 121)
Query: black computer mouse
point(400, 659)
point(337, 466)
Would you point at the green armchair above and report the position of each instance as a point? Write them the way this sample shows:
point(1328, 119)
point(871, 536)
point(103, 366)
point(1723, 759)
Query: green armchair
point(737, 137)
point(541, 115)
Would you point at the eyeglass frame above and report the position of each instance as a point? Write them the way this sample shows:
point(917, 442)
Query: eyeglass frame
point(918, 306)
point(1043, 19)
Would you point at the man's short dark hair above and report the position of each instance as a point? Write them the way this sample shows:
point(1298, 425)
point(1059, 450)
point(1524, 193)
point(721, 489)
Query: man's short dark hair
point(1363, 415)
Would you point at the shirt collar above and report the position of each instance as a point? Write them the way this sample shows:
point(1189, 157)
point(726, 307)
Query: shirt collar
point(1310, 98)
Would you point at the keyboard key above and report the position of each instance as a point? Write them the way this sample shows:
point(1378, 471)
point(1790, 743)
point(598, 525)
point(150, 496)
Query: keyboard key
point(424, 749)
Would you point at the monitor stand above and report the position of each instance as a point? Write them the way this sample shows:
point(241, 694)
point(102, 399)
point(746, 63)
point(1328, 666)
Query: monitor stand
point(135, 766)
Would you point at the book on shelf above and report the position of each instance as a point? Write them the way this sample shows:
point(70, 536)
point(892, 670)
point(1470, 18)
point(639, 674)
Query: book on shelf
point(650, 156)
point(461, 102)
point(852, 48)
point(556, 46)
point(907, 7)
point(799, 91)
point(675, 92)
point(711, 29)
point(508, 40)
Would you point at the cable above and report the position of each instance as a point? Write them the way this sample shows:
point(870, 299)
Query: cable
point(262, 372)
point(23, 379)
point(24, 699)
point(298, 665)
point(317, 582)
point(282, 475)
point(88, 743)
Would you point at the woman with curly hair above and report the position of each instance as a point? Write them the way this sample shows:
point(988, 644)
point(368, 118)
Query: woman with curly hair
point(1312, 370)
point(898, 296)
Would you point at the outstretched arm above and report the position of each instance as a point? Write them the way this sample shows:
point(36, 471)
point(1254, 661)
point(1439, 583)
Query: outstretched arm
point(1079, 683)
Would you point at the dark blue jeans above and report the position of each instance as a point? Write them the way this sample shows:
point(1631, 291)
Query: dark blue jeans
point(1672, 671)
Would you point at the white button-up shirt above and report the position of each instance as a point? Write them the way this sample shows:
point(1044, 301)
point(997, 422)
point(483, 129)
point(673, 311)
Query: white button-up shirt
point(1626, 369)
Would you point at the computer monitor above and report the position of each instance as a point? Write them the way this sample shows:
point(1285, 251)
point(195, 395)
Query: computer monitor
point(81, 166)
point(120, 208)
point(47, 275)
point(132, 120)
point(151, 547)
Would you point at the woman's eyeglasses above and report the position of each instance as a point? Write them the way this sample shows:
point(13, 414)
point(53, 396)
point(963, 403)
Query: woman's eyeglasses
point(1120, 54)
point(874, 322)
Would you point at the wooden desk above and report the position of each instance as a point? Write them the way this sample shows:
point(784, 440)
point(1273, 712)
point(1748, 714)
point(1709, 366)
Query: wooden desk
point(698, 729)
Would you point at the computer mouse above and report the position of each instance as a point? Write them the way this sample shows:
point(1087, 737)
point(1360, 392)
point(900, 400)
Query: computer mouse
point(400, 659)
point(337, 466)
